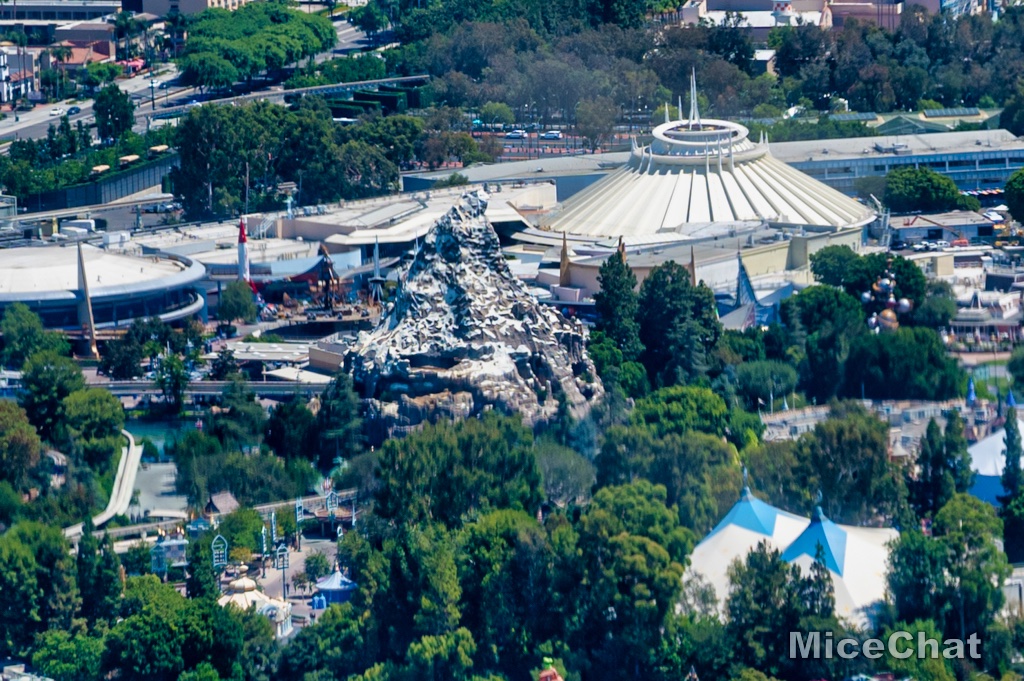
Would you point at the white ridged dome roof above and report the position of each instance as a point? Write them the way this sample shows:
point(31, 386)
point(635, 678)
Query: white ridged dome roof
point(697, 173)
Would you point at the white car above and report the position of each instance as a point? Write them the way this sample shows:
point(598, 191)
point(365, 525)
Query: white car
point(552, 135)
point(57, 111)
point(516, 135)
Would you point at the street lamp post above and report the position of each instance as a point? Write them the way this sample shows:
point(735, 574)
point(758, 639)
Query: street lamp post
point(152, 93)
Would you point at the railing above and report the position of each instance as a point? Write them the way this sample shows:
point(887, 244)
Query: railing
point(310, 505)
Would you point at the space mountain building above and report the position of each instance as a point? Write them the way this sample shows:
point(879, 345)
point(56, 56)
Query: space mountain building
point(856, 557)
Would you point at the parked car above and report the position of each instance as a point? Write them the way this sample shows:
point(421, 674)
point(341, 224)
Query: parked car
point(552, 135)
point(919, 246)
point(898, 245)
point(162, 208)
point(515, 134)
point(57, 111)
point(939, 245)
point(72, 110)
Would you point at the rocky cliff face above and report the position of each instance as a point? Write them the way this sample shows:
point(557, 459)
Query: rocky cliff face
point(464, 335)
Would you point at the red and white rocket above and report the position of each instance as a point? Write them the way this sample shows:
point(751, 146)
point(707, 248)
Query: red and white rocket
point(243, 252)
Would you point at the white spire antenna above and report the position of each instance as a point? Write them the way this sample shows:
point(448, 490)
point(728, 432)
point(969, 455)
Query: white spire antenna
point(694, 111)
point(666, 112)
point(680, 100)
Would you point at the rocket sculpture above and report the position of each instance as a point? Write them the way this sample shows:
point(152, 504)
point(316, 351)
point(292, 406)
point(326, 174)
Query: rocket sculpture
point(243, 253)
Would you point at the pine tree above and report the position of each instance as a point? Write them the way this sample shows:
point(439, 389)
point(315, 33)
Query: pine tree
point(616, 304)
point(1011, 473)
point(1013, 528)
point(957, 456)
point(99, 575)
point(929, 466)
point(201, 581)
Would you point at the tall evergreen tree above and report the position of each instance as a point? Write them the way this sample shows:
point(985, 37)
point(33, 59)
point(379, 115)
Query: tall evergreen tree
point(935, 484)
point(1011, 472)
point(99, 575)
point(957, 456)
point(616, 304)
point(201, 581)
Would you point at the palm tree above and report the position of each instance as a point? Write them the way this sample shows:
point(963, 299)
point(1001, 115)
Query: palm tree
point(178, 24)
point(126, 26)
point(61, 53)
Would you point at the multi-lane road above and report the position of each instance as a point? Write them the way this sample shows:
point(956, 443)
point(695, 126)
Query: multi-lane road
point(34, 124)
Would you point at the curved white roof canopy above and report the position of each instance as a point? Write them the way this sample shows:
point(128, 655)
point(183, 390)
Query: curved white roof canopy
point(700, 172)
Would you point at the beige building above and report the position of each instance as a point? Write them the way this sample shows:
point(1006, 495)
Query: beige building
point(162, 8)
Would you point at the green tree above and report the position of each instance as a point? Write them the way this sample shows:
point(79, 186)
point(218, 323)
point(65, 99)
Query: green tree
point(568, 476)
point(55, 572)
point(1014, 190)
point(595, 120)
point(680, 409)
point(317, 565)
point(935, 484)
point(958, 457)
point(917, 577)
point(494, 113)
point(678, 324)
point(829, 265)
point(291, 431)
point(922, 189)
point(207, 71)
point(762, 383)
point(19, 607)
point(910, 363)
point(448, 470)
point(616, 305)
point(338, 422)
point(1012, 118)
point(223, 365)
point(201, 581)
point(20, 447)
point(172, 379)
point(236, 302)
point(967, 528)
point(23, 336)
point(337, 643)
point(846, 457)
point(923, 667)
point(48, 378)
point(370, 19)
point(64, 656)
point(1016, 365)
point(115, 112)
point(99, 578)
point(1011, 478)
point(635, 580)
point(94, 419)
point(122, 359)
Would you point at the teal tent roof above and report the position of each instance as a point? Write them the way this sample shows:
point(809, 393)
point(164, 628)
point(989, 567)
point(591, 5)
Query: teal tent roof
point(826, 533)
point(750, 513)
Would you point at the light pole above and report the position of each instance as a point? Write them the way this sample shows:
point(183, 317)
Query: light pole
point(152, 93)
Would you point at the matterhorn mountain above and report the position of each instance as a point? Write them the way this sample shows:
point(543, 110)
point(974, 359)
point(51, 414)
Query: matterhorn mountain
point(464, 335)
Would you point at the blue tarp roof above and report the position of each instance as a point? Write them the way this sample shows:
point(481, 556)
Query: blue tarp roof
point(830, 536)
point(750, 513)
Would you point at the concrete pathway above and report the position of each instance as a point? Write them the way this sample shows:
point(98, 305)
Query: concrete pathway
point(124, 485)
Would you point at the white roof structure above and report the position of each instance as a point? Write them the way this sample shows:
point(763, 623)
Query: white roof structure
point(36, 270)
point(988, 459)
point(856, 557)
point(244, 594)
point(697, 173)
